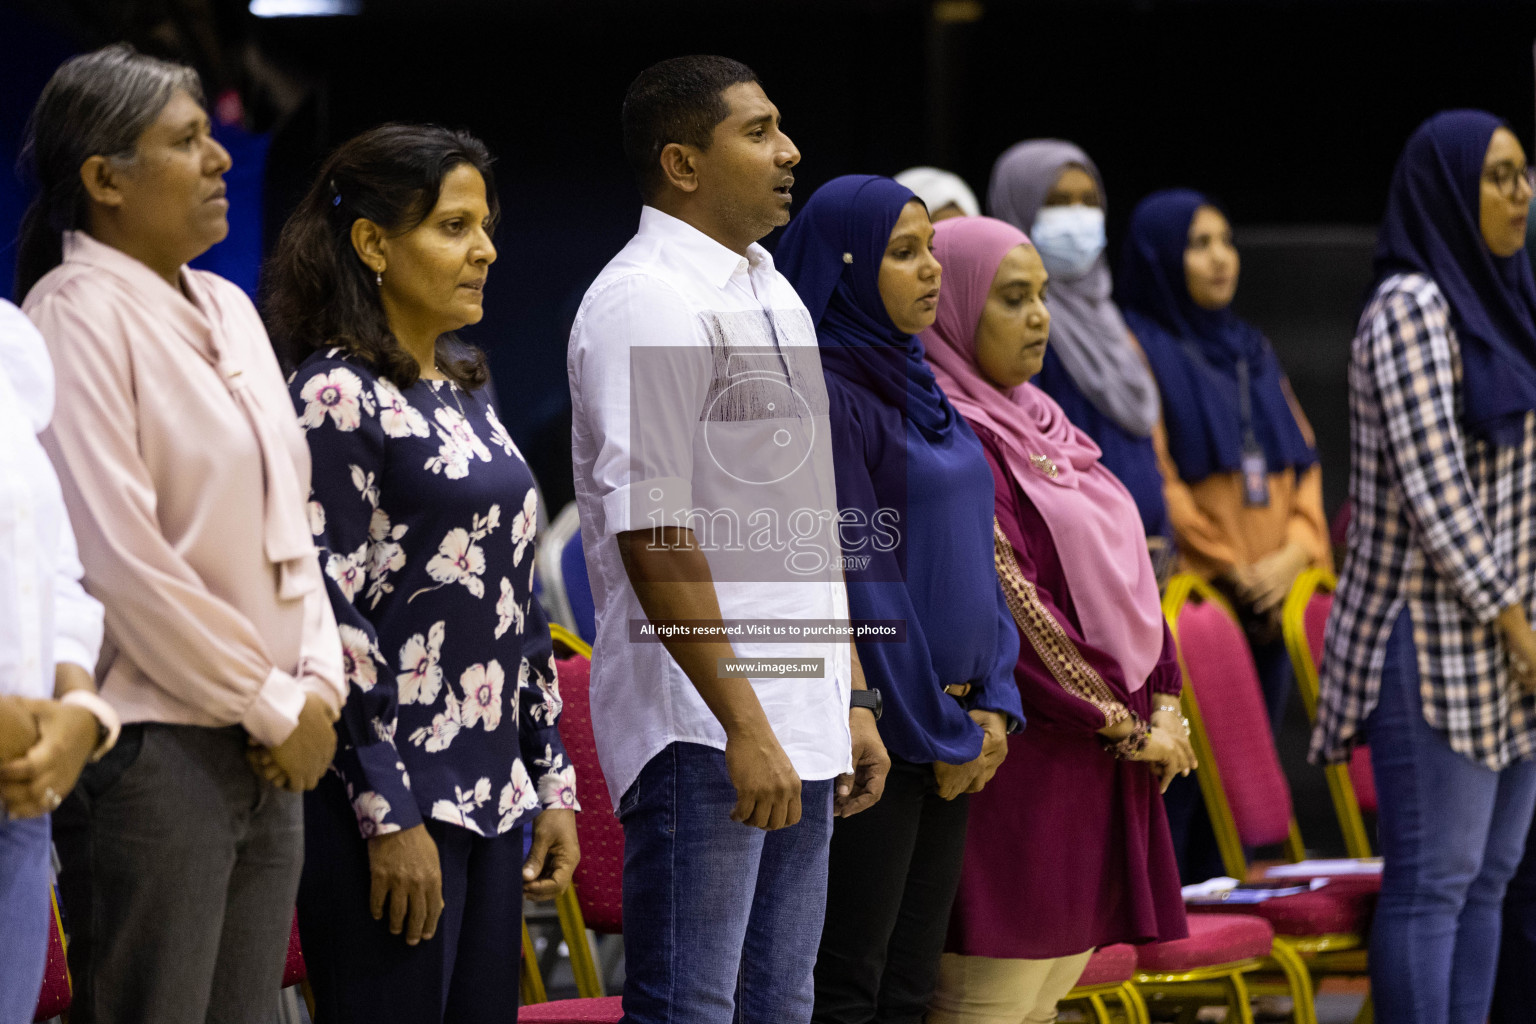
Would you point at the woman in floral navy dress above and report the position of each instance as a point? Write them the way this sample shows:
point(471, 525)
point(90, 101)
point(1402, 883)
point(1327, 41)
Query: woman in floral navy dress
point(423, 510)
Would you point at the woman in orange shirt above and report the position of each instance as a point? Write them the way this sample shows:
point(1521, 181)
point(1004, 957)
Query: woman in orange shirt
point(1242, 481)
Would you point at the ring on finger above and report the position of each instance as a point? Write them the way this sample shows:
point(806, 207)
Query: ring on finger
point(52, 799)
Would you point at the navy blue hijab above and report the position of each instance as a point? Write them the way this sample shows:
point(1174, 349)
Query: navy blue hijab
point(1195, 352)
point(898, 444)
point(831, 253)
point(1432, 227)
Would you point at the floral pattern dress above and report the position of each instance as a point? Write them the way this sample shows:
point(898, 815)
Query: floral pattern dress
point(424, 511)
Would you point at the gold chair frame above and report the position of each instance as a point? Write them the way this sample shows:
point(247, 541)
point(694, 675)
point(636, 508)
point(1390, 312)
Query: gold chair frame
point(1298, 958)
point(1341, 786)
point(573, 926)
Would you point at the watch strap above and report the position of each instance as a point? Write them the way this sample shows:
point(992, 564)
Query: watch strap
point(868, 699)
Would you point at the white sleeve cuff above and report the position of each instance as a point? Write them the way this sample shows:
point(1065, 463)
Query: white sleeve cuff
point(647, 504)
point(274, 714)
point(69, 651)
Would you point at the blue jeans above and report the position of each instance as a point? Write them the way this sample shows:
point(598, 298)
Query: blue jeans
point(24, 916)
point(1452, 832)
point(721, 920)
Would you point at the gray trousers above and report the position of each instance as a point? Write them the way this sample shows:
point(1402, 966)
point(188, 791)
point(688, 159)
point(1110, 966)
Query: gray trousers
point(180, 872)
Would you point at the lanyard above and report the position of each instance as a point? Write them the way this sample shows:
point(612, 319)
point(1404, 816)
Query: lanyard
point(1255, 467)
point(1245, 407)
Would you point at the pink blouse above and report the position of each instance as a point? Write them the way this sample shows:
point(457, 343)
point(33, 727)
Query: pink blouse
point(171, 435)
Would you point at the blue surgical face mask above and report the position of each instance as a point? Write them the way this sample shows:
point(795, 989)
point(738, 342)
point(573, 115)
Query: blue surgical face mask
point(1069, 239)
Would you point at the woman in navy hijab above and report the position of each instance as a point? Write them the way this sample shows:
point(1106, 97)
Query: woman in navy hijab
point(1242, 482)
point(1429, 651)
point(915, 496)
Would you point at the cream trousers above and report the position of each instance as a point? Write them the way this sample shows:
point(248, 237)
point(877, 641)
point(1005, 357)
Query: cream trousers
point(986, 990)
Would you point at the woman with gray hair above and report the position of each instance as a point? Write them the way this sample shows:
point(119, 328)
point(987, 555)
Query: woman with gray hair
point(185, 476)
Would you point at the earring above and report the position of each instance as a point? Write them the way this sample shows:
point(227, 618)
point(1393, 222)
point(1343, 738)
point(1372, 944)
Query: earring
point(378, 278)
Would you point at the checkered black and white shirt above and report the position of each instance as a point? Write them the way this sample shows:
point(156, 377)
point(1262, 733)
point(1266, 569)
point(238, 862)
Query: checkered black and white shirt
point(1444, 523)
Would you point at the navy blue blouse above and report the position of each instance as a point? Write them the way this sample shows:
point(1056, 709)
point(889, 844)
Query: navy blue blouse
point(424, 512)
point(939, 577)
point(1133, 459)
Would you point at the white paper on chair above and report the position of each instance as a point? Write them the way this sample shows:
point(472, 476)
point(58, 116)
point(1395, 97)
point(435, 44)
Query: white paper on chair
point(1311, 868)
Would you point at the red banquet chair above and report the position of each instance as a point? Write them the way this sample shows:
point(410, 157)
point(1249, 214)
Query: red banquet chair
point(1218, 955)
point(1304, 618)
point(1110, 974)
point(54, 999)
point(1245, 790)
point(295, 971)
point(1216, 964)
point(595, 898)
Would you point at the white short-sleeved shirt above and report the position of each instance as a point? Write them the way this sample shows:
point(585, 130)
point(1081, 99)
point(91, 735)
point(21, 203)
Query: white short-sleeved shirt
point(697, 401)
point(45, 616)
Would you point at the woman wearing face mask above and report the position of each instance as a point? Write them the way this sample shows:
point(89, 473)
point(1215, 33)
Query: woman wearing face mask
point(1097, 673)
point(944, 193)
point(423, 510)
point(1430, 655)
point(1092, 368)
point(860, 255)
point(1243, 485)
point(184, 475)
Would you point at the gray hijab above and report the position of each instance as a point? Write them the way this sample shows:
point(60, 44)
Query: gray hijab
point(1087, 332)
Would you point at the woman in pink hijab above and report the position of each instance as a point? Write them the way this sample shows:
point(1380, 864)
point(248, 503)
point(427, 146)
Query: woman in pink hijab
point(1069, 847)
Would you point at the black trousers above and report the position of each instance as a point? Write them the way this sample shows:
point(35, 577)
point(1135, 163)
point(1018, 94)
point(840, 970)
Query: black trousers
point(892, 879)
point(179, 869)
point(467, 973)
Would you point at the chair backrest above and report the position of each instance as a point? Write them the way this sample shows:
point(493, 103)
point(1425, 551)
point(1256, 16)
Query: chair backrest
point(578, 589)
point(54, 998)
point(599, 879)
point(1220, 676)
point(1363, 779)
point(1305, 619)
point(1316, 622)
point(294, 969)
point(550, 566)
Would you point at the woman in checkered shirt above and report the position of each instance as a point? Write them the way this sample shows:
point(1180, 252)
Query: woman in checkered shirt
point(1429, 647)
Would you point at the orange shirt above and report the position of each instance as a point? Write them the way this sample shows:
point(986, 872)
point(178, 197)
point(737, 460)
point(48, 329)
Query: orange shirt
point(1217, 531)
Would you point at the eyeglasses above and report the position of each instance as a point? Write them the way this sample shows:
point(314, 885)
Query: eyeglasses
point(1507, 178)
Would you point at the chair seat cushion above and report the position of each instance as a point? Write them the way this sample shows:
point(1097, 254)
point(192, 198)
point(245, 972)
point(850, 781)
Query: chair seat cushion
point(1342, 907)
point(1111, 965)
point(606, 1010)
point(1213, 939)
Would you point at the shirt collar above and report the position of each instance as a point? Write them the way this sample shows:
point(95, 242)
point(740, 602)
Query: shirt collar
point(714, 262)
point(196, 318)
point(81, 247)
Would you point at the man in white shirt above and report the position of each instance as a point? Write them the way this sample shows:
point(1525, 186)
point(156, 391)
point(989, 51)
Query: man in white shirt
point(50, 636)
point(720, 688)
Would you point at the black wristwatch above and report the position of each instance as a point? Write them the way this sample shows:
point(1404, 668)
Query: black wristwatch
point(869, 698)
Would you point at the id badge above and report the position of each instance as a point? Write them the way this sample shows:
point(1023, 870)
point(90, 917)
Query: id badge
point(1255, 478)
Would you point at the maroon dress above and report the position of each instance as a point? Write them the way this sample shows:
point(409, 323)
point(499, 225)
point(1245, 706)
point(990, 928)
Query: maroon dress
point(1068, 848)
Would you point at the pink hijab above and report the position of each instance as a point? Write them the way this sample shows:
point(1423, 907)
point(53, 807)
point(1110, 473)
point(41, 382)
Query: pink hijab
point(1093, 520)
